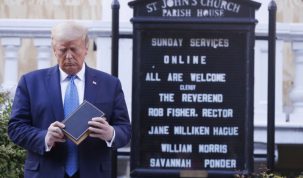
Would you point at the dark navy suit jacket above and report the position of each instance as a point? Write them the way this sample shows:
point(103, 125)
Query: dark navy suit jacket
point(38, 103)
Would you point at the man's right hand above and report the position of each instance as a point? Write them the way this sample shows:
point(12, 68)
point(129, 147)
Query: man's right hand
point(54, 134)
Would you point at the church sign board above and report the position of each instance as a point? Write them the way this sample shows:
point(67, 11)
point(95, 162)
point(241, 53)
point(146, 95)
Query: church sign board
point(192, 103)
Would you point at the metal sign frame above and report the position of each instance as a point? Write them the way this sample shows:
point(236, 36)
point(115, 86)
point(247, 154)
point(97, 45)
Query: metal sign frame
point(153, 24)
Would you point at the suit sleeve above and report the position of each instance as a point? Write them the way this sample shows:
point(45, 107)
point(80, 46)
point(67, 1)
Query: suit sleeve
point(120, 120)
point(20, 128)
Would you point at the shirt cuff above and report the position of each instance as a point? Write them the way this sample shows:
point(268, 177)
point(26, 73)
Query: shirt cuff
point(47, 148)
point(110, 143)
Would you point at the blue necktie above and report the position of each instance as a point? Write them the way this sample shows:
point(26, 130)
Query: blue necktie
point(71, 102)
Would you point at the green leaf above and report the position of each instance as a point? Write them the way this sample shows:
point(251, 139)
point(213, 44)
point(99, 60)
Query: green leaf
point(11, 156)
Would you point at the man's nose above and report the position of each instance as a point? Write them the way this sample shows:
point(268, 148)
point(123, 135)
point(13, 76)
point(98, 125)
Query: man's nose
point(69, 54)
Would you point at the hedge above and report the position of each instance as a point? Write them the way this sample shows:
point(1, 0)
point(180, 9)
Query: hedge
point(11, 156)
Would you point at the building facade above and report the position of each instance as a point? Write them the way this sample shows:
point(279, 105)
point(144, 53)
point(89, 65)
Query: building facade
point(25, 46)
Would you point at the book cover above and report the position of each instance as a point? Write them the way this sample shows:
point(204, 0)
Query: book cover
point(76, 124)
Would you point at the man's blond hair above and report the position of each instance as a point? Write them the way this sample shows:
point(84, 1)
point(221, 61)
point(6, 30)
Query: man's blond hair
point(69, 30)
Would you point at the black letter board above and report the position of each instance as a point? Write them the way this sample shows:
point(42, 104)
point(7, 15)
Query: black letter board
point(193, 70)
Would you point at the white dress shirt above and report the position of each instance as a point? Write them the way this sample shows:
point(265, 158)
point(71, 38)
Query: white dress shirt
point(79, 82)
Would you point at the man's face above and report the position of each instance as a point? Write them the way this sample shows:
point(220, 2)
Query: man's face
point(70, 55)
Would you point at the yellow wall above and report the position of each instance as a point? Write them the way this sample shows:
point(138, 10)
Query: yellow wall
point(290, 11)
point(51, 9)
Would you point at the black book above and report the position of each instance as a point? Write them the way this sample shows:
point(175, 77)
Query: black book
point(76, 124)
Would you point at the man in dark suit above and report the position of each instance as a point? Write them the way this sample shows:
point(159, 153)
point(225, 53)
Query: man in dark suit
point(39, 108)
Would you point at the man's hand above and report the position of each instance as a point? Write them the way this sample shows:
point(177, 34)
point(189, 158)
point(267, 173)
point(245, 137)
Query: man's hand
point(54, 134)
point(99, 128)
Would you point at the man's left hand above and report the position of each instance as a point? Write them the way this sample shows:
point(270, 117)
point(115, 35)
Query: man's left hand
point(99, 128)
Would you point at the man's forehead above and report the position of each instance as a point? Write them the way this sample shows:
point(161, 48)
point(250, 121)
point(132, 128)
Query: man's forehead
point(76, 42)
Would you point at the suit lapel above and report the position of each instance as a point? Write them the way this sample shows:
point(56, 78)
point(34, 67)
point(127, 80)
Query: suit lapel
point(52, 83)
point(91, 84)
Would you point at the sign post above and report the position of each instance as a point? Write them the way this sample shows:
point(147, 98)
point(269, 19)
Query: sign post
point(192, 110)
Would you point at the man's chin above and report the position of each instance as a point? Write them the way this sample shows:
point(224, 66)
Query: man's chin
point(71, 70)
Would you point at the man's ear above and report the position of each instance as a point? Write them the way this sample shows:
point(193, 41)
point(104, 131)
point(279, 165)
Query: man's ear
point(86, 52)
point(87, 46)
point(54, 51)
point(53, 46)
